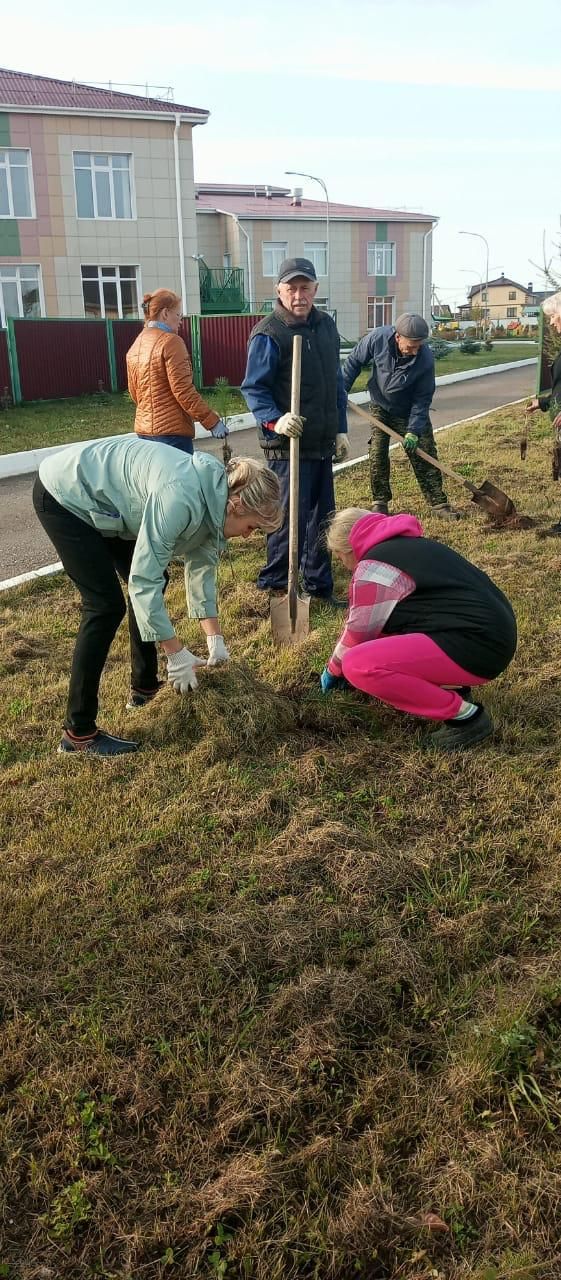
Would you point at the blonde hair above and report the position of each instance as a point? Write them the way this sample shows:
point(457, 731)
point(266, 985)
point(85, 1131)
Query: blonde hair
point(340, 527)
point(154, 303)
point(552, 306)
point(259, 491)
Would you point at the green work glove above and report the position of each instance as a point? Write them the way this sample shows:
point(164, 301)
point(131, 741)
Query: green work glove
point(410, 442)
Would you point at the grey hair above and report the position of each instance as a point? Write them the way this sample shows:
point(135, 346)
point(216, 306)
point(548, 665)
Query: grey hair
point(340, 527)
point(552, 306)
point(259, 492)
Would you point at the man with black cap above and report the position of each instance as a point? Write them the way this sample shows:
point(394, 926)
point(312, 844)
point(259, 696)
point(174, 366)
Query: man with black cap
point(401, 390)
point(321, 424)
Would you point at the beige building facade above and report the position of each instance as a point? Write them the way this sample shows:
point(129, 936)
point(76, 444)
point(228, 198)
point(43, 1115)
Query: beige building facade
point(97, 200)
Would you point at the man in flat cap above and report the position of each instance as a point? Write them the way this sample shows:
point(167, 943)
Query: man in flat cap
point(321, 424)
point(401, 390)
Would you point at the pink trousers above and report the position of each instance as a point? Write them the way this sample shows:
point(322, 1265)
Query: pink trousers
point(409, 672)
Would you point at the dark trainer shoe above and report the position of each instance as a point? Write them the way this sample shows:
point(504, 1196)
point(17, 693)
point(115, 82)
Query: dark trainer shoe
point(100, 744)
point(139, 697)
point(380, 508)
point(458, 735)
point(446, 512)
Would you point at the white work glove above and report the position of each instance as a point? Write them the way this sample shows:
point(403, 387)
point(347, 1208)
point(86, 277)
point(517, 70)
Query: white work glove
point(217, 651)
point(291, 424)
point(181, 670)
point(220, 430)
point(341, 447)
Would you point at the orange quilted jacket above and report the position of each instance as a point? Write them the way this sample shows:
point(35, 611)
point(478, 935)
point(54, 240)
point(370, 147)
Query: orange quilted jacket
point(160, 380)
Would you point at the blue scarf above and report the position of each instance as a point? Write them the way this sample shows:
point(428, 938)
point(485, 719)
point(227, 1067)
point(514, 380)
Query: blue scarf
point(159, 324)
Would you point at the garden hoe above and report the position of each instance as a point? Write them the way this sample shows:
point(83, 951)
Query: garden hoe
point(290, 614)
point(496, 503)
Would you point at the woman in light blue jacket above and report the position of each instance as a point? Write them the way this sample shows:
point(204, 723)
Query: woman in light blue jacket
point(116, 508)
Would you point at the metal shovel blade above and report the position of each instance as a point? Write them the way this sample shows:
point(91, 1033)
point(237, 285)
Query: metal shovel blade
point(493, 500)
point(290, 619)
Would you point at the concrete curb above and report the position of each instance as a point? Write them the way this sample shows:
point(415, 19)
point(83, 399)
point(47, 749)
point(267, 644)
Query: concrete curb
point(50, 569)
point(29, 460)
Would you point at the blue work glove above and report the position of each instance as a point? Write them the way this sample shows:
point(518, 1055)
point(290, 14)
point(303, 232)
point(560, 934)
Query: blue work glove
point(410, 442)
point(329, 683)
point(220, 430)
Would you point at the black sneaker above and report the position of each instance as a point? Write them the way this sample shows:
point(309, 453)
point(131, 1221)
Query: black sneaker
point(446, 512)
point(140, 697)
point(100, 744)
point(460, 735)
point(380, 508)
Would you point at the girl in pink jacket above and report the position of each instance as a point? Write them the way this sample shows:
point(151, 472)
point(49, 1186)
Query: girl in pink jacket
point(423, 626)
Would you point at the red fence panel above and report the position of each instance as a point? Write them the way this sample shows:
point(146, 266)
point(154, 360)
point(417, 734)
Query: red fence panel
point(224, 347)
point(5, 375)
point(124, 334)
point(62, 358)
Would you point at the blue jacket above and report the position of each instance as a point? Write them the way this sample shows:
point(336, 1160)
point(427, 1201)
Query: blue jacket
point(168, 502)
point(402, 386)
point(262, 363)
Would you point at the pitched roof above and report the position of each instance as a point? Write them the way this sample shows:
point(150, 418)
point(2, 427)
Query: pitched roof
point(246, 200)
point(494, 284)
point(21, 91)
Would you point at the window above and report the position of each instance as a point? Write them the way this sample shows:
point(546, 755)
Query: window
point(321, 303)
point(484, 296)
point(274, 252)
point(110, 293)
point(380, 311)
point(16, 187)
point(380, 258)
point(103, 185)
point(512, 295)
point(316, 251)
point(511, 313)
point(20, 292)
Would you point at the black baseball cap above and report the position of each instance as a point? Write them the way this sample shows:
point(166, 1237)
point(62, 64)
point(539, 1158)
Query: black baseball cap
point(293, 267)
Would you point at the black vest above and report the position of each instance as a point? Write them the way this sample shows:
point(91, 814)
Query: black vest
point(454, 603)
point(318, 392)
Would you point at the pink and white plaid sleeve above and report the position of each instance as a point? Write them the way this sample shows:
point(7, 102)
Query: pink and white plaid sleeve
point(375, 590)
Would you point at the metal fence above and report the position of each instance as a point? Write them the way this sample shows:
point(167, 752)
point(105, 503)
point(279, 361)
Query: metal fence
point(54, 359)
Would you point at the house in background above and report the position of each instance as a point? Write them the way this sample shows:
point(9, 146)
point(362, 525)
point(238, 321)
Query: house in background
point(97, 200)
point(372, 265)
point(502, 301)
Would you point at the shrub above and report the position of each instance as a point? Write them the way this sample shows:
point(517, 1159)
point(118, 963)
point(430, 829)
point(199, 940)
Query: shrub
point(439, 348)
point(470, 347)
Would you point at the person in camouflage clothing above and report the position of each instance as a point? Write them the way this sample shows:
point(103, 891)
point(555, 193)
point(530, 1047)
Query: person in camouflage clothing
point(401, 390)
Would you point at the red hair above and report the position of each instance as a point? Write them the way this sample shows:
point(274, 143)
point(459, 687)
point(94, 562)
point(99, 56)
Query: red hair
point(153, 303)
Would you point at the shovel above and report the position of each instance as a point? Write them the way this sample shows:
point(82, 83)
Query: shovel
point(290, 614)
point(487, 495)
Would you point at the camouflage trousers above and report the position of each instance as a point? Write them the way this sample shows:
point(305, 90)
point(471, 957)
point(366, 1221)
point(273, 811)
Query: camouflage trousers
point(428, 478)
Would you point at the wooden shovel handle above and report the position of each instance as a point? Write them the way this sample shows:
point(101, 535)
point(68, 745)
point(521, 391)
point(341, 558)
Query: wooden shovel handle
point(420, 453)
point(294, 484)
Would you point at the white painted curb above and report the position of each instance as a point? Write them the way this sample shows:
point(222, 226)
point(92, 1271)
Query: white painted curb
point(29, 460)
point(339, 466)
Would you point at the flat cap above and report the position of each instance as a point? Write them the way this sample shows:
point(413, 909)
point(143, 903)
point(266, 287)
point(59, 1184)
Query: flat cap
point(410, 325)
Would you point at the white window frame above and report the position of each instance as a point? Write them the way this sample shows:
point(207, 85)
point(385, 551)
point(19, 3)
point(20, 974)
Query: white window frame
point(315, 250)
point(101, 217)
point(376, 301)
point(512, 313)
point(116, 279)
point(279, 247)
point(381, 246)
point(17, 268)
point(5, 151)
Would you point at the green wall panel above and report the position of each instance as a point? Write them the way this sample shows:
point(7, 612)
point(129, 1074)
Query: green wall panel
point(4, 129)
point(381, 231)
point(9, 238)
point(381, 286)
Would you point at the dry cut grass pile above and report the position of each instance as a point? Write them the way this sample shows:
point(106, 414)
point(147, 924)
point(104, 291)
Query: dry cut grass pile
point(280, 997)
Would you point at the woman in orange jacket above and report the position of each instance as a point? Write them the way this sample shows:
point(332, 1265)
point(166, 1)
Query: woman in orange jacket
point(160, 379)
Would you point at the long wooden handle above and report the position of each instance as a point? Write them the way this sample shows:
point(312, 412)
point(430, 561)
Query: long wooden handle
point(419, 453)
point(294, 481)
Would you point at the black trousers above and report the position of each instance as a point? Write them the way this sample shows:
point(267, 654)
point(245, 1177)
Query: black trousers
point(94, 564)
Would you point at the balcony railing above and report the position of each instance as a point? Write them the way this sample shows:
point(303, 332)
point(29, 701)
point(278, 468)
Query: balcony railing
point(222, 291)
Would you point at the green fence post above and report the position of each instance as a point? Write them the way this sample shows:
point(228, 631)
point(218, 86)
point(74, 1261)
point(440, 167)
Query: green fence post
point(196, 355)
point(13, 361)
point(111, 354)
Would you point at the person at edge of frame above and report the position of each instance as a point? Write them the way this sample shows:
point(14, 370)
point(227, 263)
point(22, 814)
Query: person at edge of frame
point(551, 400)
point(401, 387)
point(321, 424)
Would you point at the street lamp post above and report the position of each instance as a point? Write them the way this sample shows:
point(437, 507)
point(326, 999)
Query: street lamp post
point(295, 173)
point(478, 236)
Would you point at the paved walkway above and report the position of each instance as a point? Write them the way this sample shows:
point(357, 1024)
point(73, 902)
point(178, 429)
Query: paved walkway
point(24, 546)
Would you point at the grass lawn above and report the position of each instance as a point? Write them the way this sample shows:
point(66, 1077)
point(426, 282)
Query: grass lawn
point(48, 422)
point(281, 996)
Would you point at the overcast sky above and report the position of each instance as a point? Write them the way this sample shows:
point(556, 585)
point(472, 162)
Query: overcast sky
point(449, 107)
